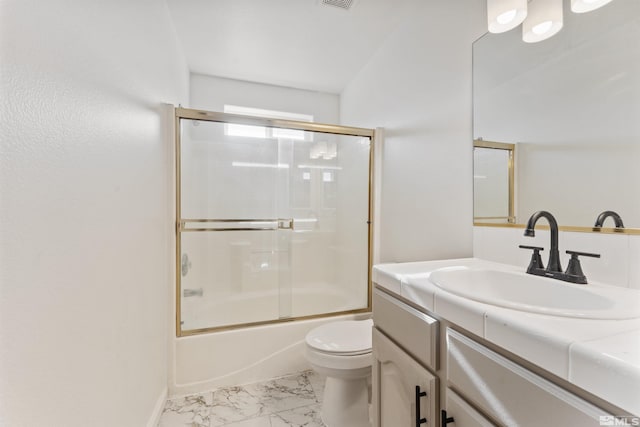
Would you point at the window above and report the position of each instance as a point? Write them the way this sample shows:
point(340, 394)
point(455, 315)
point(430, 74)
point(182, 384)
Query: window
point(233, 129)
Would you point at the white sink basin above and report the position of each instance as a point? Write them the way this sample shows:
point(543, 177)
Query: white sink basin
point(525, 292)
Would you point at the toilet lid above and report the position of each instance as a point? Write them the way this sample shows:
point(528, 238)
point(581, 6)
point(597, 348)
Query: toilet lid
point(350, 337)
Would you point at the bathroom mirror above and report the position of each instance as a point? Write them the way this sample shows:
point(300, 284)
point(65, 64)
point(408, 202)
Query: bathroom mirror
point(571, 107)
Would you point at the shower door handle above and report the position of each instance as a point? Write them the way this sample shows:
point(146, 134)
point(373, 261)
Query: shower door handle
point(229, 224)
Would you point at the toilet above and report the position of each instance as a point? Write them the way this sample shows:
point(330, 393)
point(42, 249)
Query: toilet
point(342, 352)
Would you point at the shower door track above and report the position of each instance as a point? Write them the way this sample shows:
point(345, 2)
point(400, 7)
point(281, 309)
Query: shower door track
point(212, 116)
point(181, 224)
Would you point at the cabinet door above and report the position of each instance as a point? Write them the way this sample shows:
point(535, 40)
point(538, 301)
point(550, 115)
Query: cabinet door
point(509, 393)
point(404, 393)
point(463, 415)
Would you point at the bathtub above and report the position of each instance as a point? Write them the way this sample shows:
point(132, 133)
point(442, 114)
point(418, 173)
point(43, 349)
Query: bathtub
point(219, 310)
point(245, 355)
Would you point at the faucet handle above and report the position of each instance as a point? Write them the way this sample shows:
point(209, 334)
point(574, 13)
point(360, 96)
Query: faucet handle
point(574, 272)
point(535, 248)
point(536, 259)
point(576, 253)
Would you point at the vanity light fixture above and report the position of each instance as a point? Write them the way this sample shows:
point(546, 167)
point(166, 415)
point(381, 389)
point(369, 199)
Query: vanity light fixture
point(582, 6)
point(543, 20)
point(540, 19)
point(504, 15)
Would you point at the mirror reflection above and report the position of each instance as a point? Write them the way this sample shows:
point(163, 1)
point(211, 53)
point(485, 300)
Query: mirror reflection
point(493, 181)
point(571, 107)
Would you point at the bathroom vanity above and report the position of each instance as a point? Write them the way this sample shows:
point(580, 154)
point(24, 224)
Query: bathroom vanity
point(441, 358)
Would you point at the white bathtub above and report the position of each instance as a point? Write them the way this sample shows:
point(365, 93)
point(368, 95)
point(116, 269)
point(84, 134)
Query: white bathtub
point(240, 356)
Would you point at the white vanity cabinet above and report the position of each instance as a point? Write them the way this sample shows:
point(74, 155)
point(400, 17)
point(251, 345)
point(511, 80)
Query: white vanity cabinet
point(429, 372)
point(404, 391)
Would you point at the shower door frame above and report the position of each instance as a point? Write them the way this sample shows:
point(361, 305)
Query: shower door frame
point(180, 223)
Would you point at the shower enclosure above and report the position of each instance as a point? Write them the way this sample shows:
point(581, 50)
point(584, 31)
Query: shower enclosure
point(273, 220)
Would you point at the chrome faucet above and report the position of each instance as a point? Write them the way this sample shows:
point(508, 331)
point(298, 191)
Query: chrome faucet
point(574, 272)
point(554, 254)
point(606, 214)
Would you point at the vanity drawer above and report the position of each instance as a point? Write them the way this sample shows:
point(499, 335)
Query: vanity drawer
point(414, 331)
point(510, 393)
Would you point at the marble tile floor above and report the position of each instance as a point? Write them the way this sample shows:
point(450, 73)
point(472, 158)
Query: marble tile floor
point(291, 401)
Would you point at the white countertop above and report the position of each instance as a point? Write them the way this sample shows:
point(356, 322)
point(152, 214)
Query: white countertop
point(599, 356)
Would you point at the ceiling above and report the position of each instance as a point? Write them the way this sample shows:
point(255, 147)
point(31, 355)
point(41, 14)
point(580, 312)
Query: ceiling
point(296, 43)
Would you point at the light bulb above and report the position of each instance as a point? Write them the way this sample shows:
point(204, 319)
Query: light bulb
point(542, 28)
point(582, 6)
point(543, 21)
point(506, 17)
point(503, 15)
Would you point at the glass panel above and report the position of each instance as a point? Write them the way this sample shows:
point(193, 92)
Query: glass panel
point(273, 227)
point(232, 177)
point(330, 207)
point(232, 279)
point(227, 176)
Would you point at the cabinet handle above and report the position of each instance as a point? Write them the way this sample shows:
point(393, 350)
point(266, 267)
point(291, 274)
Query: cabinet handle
point(419, 394)
point(446, 420)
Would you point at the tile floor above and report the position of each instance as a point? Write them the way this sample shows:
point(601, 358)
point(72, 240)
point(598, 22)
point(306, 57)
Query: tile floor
point(291, 401)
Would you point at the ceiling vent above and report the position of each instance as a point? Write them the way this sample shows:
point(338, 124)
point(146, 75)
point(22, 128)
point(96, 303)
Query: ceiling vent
point(342, 4)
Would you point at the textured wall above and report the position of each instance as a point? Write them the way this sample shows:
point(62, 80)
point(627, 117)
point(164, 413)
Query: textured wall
point(212, 93)
point(418, 87)
point(85, 219)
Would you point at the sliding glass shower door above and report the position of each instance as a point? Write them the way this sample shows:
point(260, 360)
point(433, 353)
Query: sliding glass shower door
point(273, 220)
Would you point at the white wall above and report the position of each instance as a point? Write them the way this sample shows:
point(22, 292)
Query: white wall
point(418, 87)
point(212, 93)
point(85, 221)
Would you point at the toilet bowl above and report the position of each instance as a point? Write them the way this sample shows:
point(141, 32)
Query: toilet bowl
point(341, 351)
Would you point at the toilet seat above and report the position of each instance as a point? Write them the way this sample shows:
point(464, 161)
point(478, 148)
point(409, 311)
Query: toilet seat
point(344, 338)
point(342, 352)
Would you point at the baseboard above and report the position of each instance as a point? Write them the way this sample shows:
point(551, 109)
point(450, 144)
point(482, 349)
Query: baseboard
point(154, 419)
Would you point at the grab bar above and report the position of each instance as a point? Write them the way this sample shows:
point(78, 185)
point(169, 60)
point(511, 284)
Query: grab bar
point(260, 224)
